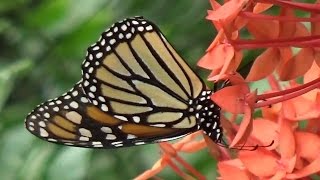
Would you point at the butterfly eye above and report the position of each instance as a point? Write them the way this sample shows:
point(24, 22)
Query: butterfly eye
point(135, 89)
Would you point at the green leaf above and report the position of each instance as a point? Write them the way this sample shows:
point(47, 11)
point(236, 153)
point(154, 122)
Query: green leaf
point(8, 74)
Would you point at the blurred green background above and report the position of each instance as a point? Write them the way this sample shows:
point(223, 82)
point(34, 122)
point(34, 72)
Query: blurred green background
point(43, 44)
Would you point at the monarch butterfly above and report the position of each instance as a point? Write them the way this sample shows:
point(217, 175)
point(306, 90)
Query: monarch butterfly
point(135, 89)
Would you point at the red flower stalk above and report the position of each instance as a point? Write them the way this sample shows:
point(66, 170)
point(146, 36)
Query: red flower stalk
point(291, 53)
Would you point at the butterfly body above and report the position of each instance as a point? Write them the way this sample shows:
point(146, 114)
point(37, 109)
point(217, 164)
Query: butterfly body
point(135, 89)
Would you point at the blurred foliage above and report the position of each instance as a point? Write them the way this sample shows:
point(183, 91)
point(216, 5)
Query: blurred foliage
point(42, 47)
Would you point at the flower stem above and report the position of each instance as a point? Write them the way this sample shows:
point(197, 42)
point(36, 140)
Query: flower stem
point(301, 42)
point(251, 15)
point(186, 165)
point(287, 94)
point(288, 91)
point(175, 168)
point(296, 5)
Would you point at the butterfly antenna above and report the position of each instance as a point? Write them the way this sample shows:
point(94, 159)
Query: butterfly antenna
point(223, 143)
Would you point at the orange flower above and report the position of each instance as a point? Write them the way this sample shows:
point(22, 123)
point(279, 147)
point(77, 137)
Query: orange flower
point(283, 141)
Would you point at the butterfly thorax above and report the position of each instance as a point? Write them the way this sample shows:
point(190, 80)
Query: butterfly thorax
point(208, 115)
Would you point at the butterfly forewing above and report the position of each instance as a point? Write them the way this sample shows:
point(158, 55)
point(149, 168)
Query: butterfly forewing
point(133, 73)
point(72, 120)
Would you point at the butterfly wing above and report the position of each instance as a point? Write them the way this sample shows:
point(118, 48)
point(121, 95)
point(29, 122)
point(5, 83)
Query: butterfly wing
point(72, 120)
point(135, 75)
point(135, 89)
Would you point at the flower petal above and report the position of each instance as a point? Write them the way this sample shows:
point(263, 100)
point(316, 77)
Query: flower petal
point(302, 107)
point(264, 65)
point(301, 30)
point(216, 57)
point(245, 128)
point(317, 58)
point(259, 162)
point(308, 145)
point(272, 112)
point(231, 172)
point(312, 168)
point(261, 7)
point(296, 66)
point(227, 12)
point(265, 131)
point(313, 73)
point(193, 146)
point(263, 29)
point(287, 28)
point(286, 139)
point(235, 62)
point(279, 175)
point(231, 98)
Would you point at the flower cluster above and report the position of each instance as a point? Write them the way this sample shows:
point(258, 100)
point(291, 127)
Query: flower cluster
point(287, 129)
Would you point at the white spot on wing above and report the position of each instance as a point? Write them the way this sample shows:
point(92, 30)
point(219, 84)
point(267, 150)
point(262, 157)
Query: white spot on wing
point(46, 115)
point(131, 136)
point(93, 89)
point(83, 138)
point(97, 144)
point(84, 100)
point(139, 143)
point(124, 27)
point(43, 133)
point(74, 105)
point(109, 34)
point(104, 108)
point(117, 142)
point(106, 129)
point(42, 124)
point(121, 117)
point(99, 55)
point(140, 28)
point(158, 125)
point(149, 28)
point(112, 41)
point(96, 48)
point(136, 119)
point(85, 132)
point(214, 125)
point(128, 35)
point(74, 117)
point(67, 97)
point(121, 36)
point(111, 137)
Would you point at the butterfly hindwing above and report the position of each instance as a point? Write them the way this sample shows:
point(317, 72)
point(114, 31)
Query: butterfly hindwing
point(72, 120)
point(134, 74)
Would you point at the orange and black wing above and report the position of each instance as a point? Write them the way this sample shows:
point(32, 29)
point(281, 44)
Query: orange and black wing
point(135, 89)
